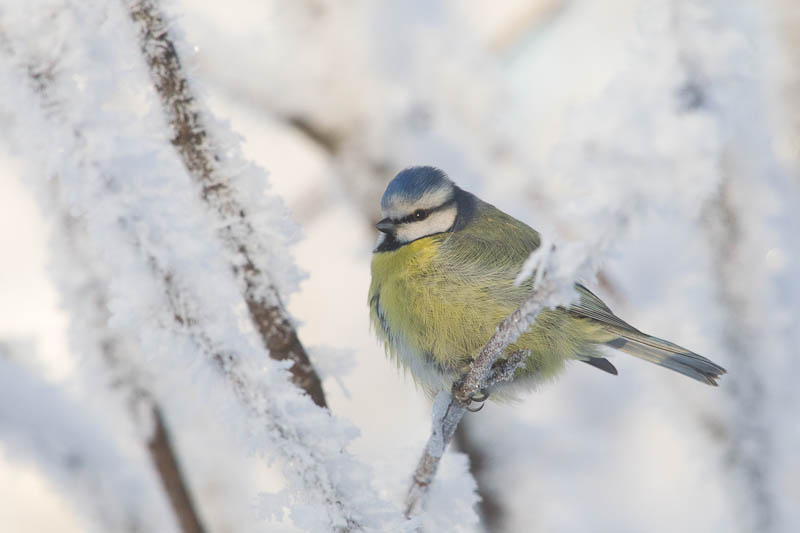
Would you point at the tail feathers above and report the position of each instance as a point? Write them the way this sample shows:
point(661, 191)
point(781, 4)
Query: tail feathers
point(668, 355)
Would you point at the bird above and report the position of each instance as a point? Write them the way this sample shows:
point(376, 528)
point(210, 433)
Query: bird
point(443, 278)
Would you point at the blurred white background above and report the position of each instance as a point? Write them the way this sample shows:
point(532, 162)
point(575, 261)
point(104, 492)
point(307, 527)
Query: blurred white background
point(674, 124)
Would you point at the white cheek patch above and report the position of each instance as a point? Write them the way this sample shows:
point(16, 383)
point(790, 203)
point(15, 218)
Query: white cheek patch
point(400, 207)
point(436, 222)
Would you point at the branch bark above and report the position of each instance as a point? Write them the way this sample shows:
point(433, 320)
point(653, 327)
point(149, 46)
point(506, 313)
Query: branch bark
point(200, 154)
point(162, 453)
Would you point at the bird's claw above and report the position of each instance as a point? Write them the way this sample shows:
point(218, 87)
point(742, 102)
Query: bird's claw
point(479, 398)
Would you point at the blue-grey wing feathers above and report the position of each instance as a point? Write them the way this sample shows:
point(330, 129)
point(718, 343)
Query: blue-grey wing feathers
point(633, 342)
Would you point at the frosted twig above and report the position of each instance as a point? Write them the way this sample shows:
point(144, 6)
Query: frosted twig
point(66, 441)
point(732, 225)
point(449, 408)
point(200, 153)
point(91, 304)
point(174, 312)
point(503, 370)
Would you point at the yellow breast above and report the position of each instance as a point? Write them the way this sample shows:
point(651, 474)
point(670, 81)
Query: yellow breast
point(399, 296)
point(434, 316)
point(423, 309)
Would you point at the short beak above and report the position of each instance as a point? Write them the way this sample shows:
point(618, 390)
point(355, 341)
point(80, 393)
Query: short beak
point(385, 225)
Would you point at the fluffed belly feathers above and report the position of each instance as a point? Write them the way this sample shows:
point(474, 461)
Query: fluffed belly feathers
point(434, 321)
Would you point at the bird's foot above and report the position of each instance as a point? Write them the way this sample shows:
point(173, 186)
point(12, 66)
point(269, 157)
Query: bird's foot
point(479, 398)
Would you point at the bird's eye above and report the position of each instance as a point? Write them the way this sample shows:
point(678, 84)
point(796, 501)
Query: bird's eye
point(420, 214)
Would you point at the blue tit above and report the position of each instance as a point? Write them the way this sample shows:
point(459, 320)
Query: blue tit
point(443, 278)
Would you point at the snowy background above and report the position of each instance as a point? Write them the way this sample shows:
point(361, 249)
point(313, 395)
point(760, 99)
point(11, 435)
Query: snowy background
point(664, 135)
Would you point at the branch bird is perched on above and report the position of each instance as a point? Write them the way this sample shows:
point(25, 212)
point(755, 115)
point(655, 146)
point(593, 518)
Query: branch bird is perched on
point(443, 279)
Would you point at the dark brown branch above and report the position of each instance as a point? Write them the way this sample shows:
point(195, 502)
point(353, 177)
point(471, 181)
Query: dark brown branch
point(227, 363)
point(163, 455)
point(195, 146)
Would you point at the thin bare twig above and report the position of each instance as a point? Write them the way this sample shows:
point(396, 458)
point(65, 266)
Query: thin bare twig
point(193, 141)
point(484, 371)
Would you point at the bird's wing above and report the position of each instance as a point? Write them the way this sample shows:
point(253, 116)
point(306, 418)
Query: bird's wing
point(491, 251)
point(494, 245)
point(590, 306)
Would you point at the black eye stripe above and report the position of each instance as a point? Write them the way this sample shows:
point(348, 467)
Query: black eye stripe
point(422, 214)
point(419, 214)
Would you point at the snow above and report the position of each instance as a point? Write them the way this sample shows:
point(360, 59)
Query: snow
point(42, 425)
point(627, 132)
point(169, 281)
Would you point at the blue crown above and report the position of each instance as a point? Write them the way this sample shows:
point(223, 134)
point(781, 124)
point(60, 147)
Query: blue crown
point(413, 183)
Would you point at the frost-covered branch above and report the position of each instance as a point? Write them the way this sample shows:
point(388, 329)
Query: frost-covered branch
point(213, 169)
point(554, 286)
point(750, 441)
point(84, 287)
point(172, 282)
point(85, 292)
point(736, 235)
point(42, 424)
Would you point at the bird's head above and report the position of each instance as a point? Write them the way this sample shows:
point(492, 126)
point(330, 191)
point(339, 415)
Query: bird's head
point(418, 202)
